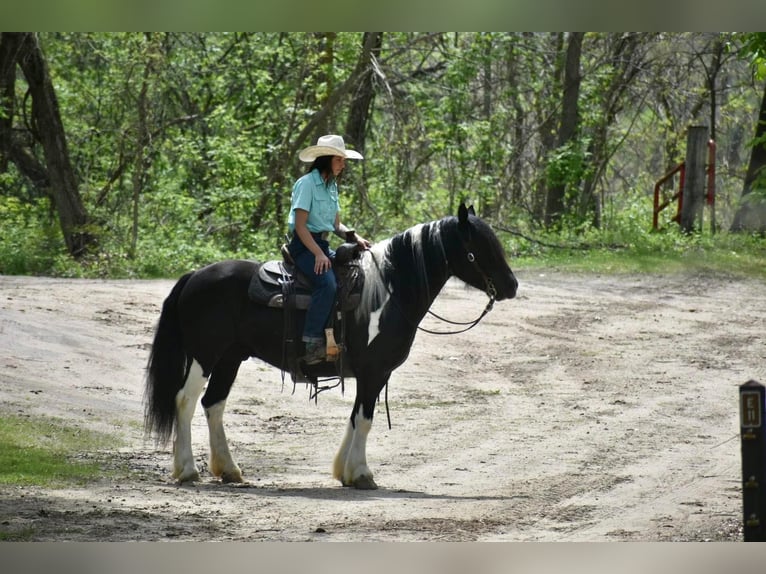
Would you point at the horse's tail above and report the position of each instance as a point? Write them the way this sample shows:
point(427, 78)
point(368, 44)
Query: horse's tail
point(166, 370)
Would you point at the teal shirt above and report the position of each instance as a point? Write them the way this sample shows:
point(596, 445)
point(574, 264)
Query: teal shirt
point(320, 199)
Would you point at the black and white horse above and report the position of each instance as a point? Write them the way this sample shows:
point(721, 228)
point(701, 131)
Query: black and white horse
point(209, 325)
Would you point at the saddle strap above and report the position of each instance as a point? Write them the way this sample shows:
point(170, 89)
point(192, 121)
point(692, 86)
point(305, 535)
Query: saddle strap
point(289, 343)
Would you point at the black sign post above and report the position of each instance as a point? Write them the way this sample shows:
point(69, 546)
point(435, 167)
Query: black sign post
point(751, 410)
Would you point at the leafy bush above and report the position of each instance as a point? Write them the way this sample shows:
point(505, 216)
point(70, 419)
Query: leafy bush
point(31, 241)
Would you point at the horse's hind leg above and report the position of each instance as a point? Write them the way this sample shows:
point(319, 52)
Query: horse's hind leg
point(184, 469)
point(214, 402)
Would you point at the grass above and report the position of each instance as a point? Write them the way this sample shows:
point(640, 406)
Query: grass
point(42, 452)
point(738, 256)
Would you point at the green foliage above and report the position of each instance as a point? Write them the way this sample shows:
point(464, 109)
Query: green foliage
point(753, 49)
point(568, 164)
point(31, 242)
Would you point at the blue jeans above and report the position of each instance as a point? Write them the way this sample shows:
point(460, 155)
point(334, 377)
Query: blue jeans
point(324, 286)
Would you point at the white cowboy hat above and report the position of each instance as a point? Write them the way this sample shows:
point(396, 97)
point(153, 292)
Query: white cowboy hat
point(328, 145)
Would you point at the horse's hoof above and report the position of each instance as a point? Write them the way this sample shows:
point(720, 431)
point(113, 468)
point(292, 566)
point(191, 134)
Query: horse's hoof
point(229, 477)
point(188, 477)
point(364, 483)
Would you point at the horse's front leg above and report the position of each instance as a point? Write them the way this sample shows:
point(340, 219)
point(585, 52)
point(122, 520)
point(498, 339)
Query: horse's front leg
point(184, 469)
point(350, 464)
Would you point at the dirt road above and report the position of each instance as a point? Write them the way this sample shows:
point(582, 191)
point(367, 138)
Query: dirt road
point(590, 408)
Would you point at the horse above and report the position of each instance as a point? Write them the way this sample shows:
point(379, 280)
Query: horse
point(208, 326)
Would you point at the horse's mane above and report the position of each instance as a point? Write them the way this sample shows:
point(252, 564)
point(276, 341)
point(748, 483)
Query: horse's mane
point(407, 252)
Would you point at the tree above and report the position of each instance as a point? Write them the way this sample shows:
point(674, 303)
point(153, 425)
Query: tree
point(625, 58)
point(751, 215)
point(184, 145)
point(568, 125)
point(362, 99)
point(23, 49)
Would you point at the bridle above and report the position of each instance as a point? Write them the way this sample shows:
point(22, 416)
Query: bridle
point(489, 289)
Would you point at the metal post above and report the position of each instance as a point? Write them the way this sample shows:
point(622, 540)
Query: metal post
point(751, 409)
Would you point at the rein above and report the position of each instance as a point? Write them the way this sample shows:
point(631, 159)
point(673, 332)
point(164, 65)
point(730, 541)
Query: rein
point(489, 290)
point(471, 324)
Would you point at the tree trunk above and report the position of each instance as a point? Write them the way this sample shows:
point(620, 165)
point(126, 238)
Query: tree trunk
point(8, 49)
point(50, 131)
point(712, 76)
point(547, 129)
point(359, 114)
point(751, 215)
point(364, 95)
point(142, 142)
point(588, 200)
point(488, 198)
point(626, 64)
point(325, 77)
point(570, 119)
point(14, 147)
point(514, 81)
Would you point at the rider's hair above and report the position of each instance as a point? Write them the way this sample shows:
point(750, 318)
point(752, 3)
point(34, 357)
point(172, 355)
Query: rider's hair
point(324, 164)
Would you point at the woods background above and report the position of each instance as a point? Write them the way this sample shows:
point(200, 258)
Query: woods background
point(145, 154)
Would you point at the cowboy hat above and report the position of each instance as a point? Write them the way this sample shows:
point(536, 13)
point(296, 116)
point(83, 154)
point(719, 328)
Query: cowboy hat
point(328, 145)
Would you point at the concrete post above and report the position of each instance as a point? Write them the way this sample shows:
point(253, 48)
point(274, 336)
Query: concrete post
point(694, 185)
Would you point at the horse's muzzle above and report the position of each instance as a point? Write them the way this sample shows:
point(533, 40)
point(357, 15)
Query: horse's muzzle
point(507, 289)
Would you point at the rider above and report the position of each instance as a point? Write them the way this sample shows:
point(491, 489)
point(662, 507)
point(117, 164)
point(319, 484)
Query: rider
point(314, 212)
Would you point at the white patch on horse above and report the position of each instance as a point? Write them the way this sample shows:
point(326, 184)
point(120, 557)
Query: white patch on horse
point(350, 464)
point(375, 264)
point(373, 327)
point(339, 463)
point(184, 469)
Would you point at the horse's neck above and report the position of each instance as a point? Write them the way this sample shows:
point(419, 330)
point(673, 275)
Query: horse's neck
point(420, 268)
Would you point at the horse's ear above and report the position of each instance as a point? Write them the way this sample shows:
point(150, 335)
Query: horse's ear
point(462, 220)
point(463, 212)
point(471, 211)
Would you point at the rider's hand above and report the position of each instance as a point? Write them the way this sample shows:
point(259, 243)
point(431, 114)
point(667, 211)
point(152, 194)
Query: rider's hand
point(362, 242)
point(322, 264)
